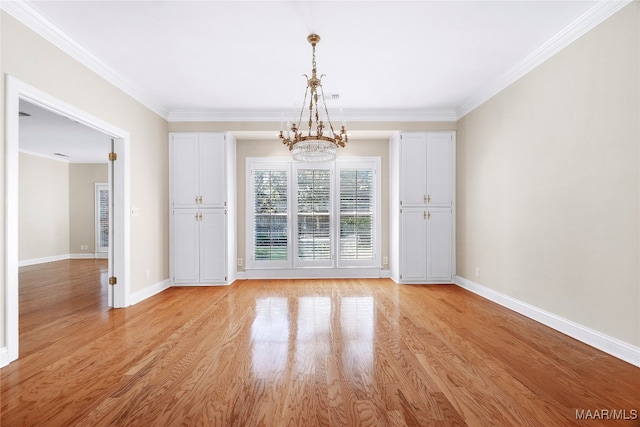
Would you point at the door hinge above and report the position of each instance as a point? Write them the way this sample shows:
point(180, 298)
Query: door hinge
point(113, 156)
point(113, 280)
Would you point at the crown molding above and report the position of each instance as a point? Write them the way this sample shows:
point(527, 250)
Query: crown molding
point(45, 28)
point(594, 16)
point(246, 115)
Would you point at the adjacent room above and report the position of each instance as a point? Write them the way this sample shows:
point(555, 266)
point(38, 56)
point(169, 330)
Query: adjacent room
point(320, 213)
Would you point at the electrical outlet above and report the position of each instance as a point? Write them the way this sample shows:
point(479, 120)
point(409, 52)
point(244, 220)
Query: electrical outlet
point(477, 271)
point(239, 262)
point(385, 260)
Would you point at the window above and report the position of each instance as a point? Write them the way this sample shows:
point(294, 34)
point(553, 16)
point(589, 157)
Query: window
point(102, 217)
point(270, 212)
point(356, 214)
point(313, 217)
point(313, 214)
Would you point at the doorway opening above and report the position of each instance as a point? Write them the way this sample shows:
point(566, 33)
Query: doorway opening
point(118, 178)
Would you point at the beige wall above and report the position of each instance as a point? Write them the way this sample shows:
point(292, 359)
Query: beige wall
point(274, 148)
point(56, 207)
point(43, 220)
point(548, 184)
point(54, 72)
point(82, 212)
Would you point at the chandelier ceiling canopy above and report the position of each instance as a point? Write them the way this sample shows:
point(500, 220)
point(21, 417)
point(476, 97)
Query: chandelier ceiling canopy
point(319, 142)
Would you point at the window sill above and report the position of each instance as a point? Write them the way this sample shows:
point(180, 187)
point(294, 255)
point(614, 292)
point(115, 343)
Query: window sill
point(314, 273)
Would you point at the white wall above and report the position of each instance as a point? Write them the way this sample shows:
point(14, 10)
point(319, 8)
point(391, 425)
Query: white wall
point(548, 184)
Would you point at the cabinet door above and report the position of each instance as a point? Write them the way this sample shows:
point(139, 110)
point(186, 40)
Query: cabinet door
point(213, 255)
point(211, 166)
point(184, 170)
point(439, 245)
point(440, 169)
point(413, 169)
point(185, 246)
point(413, 250)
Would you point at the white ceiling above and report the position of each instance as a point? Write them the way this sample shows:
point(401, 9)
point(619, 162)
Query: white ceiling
point(244, 60)
point(45, 133)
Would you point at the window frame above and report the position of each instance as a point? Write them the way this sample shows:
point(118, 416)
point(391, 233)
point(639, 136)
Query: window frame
point(291, 167)
point(253, 165)
point(301, 263)
point(361, 163)
point(99, 188)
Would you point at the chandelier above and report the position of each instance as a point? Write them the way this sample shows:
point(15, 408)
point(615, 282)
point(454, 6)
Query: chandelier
point(313, 145)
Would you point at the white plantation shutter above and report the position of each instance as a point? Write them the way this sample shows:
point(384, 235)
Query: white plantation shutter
point(356, 213)
point(270, 215)
point(103, 214)
point(314, 214)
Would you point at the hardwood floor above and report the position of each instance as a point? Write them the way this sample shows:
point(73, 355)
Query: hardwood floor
point(299, 353)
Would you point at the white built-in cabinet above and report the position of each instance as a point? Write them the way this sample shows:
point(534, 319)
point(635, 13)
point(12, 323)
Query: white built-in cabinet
point(202, 203)
point(422, 207)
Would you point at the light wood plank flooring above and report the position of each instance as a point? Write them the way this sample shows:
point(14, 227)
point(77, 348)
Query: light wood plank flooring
point(296, 353)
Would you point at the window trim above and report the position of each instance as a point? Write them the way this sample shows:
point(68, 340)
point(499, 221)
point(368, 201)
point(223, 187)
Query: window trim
point(99, 187)
point(254, 164)
point(361, 163)
point(297, 262)
point(289, 267)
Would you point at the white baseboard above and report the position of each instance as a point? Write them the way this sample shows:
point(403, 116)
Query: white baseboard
point(34, 261)
point(385, 274)
point(83, 255)
point(4, 357)
point(613, 346)
point(149, 291)
point(54, 258)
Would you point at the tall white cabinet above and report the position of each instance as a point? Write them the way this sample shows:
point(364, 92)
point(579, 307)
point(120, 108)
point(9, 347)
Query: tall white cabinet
point(203, 208)
point(422, 207)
